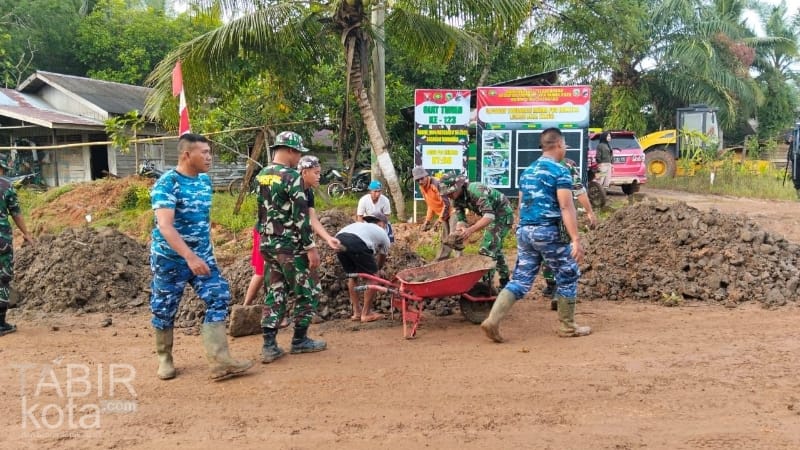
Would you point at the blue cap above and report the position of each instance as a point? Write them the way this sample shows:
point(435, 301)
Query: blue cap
point(375, 185)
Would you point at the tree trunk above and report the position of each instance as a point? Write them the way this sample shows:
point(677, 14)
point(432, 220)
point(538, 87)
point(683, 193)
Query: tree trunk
point(376, 139)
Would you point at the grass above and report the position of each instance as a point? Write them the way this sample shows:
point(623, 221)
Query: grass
point(734, 180)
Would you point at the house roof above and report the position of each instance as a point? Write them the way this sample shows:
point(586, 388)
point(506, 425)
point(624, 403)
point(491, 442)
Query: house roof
point(32, 109)
point(115, 98)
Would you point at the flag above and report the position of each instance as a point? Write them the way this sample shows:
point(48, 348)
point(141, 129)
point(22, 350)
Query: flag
point(177, 90)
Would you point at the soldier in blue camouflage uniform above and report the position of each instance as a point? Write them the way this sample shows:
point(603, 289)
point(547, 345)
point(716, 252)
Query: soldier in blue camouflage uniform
point(545, 205)
point(287, 247)
point(579, 194)
point(181, 253)
point(9, 206)
point(497, 215)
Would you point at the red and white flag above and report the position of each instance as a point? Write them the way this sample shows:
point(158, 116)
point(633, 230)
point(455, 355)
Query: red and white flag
point(177, 89)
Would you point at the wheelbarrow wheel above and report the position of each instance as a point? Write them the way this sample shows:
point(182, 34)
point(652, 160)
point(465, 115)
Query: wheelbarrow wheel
point(477, 312)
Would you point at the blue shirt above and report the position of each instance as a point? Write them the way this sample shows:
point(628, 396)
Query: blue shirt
point(190, 197)
point(538, 187)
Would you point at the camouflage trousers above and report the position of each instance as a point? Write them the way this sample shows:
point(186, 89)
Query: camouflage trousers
point(169, 279)
point(492, 246)
point(542, 244)
point(6, 274)
point(289, 278)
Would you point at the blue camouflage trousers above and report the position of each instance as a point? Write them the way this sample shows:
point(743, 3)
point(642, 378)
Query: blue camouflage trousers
point(542, 244)
point(287, 277)
point(169, 279)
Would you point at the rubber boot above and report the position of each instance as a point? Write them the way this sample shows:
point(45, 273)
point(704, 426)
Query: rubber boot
point(166, 369)
point(301, 343)
point(270, 352)
point(220, 362)
point(566, 315)
point(5, 327)
point(550, 291)
point(502, 305)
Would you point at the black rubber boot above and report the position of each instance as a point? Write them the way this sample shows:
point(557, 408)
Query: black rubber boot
point(301, 343)
point(270, 352)
point(5, 328)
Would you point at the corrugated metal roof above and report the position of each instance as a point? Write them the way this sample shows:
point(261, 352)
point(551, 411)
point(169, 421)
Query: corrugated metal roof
point(29, 108)
point(116, 98)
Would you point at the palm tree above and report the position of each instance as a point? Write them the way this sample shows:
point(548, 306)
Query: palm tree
point(295, 34)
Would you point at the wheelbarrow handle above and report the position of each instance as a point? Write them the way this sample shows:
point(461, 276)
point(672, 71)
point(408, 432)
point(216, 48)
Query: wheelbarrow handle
point(374, 287)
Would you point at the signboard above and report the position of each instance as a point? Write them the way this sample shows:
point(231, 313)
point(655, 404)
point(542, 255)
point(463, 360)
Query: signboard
point(510, 122)
point(441, 119)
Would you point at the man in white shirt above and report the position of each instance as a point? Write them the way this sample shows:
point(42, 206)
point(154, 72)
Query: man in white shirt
point(364, 247)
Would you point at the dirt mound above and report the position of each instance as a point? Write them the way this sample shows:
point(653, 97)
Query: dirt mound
point(673, 252)
point(83, 269)
point(97, 198)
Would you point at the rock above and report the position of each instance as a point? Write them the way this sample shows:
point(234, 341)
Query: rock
point(245, 320)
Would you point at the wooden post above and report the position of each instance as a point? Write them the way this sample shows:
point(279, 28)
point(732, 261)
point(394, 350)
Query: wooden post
point(252, 162)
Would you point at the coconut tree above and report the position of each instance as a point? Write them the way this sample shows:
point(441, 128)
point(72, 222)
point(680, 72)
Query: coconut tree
point(284, 35)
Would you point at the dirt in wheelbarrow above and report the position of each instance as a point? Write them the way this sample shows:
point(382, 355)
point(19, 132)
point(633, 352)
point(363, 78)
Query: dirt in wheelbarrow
point(698, 375)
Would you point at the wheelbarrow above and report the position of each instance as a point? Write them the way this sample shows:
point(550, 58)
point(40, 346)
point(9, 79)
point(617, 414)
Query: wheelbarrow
point(457, 276)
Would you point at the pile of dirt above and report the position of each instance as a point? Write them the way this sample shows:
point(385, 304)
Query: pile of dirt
point(82, 269)
point(672, 252)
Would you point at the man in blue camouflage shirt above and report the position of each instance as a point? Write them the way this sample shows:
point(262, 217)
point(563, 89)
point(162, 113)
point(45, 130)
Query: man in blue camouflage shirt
point(546, 214)
point(181, 253)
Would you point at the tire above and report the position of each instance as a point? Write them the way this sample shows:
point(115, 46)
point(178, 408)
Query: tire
point(597, 195)
point(476, 312)
point(660, 163)
point(630, 189)
point(235, 186)
point(336, 189)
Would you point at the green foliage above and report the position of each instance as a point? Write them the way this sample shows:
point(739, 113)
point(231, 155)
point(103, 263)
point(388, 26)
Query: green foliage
point(222, 212)
point(136, 197)
point(122, 129)
point(123, 43)
point(52, 194)
point(625, 111)
point(734, 179)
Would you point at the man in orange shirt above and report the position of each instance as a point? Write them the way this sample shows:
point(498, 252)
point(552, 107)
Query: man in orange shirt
point(437, 204)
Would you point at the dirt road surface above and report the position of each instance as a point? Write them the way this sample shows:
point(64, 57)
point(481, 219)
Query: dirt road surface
point(700, 376)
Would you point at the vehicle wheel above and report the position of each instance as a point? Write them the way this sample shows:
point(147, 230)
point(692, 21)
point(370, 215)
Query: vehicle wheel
point(597, 195)
point(476, 312)
point(660, 163)
point(336, 189)
point(630, 189)
point(235, 186)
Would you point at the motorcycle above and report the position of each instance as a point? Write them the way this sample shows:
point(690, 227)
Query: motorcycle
point(148, 169)
point(27, 179)
point(359, 183)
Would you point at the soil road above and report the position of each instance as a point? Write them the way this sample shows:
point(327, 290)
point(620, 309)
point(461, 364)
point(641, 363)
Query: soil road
point(689, 377)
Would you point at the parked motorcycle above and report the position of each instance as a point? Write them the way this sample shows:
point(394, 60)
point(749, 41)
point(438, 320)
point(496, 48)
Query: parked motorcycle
point(148, 169)
point(359, 183)
point(27, 179)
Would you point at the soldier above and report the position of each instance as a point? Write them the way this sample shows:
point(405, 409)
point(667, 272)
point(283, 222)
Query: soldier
point(287, 247)
point(9, 205)
point(181, 253)
point(436, 204)
point(548, 231)
point(496, 216)
point(579, 194)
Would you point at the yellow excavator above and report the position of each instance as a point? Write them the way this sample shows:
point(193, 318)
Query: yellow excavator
point(663, 148)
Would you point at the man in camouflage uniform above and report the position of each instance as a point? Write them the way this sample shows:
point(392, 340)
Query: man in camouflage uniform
point(579, 194)
point(547, 231)
point(287, 247)
point(9, 206)
point(497, 215)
